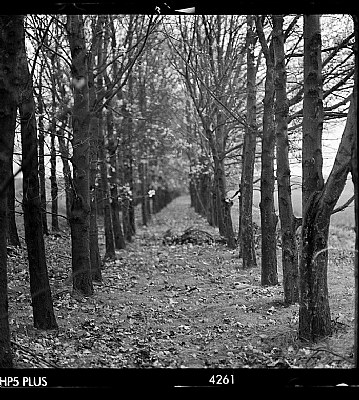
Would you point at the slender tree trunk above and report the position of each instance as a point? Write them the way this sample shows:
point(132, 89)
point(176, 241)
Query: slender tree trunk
point(42, 176)
point(287, 219)
point(141, 176)
point(80, 207)
point(65, 155)
point(95, 257)
point(94, 100)
point(53, 179)
point(129, 160)
point(105, 195)
point(10, 45)
point(246, 239)
point(43, 313)
point(115, 207)
point(269, 219)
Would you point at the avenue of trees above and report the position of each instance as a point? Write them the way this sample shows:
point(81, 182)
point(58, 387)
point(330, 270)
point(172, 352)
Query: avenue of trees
point(136, 109)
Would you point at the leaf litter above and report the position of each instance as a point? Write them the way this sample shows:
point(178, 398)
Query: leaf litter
point(171, 306)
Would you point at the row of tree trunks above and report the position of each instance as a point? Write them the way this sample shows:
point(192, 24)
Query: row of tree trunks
point(43, 312)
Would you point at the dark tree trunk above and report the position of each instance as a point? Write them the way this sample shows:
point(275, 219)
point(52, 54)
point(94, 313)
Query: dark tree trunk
point(269, 219)
point(80, 207)
point(43, 313)
point(287, 219)
point(247, 248)
point(94, 101)
point(113, 178)
point(10, 47)
point(314, 311)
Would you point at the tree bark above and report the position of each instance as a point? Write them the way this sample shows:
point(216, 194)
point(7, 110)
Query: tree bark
point(312, 158)
point(80, 207)
point(314, 311)
point(94, 100)
point(287, 219)
point(247, 249)
point(43, 313)
point(10, 45)
point(269, 219)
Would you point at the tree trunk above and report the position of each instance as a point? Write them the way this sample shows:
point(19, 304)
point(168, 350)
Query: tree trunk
point(312, 158)
point(287, 219)
point(105, 197)
point(43, 313)
point(269, 219)
point(80, 207)
point(42, 175)
point(113, 179)
point(95, 257)
point(10, 45)
point(53, 180)
point(141, 176)
point(65, 155)
point(314, 311)
point(126, 174)
point(246, 239)
point(94, 100)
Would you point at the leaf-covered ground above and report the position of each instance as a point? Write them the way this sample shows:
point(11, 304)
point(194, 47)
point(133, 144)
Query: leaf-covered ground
point(176, 306)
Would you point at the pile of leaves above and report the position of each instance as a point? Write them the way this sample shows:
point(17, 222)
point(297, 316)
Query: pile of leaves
point(190, 235)
point(175, 304)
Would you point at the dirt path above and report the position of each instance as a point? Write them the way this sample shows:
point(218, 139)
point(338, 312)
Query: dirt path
point(171, 306)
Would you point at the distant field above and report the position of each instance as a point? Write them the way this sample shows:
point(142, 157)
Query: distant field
point(343, 218)
point(61, 196)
